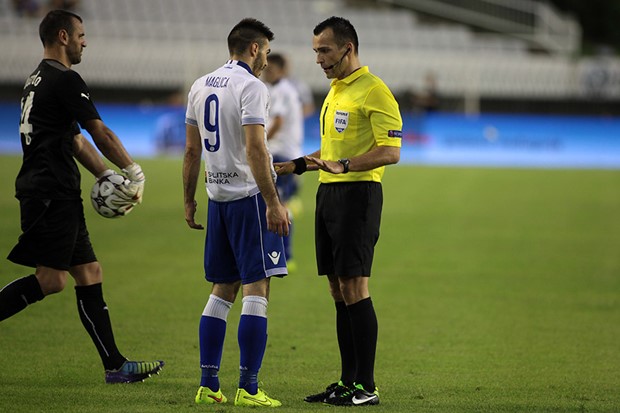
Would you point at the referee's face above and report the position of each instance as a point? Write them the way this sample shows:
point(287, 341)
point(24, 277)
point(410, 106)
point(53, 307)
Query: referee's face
point(328, 55)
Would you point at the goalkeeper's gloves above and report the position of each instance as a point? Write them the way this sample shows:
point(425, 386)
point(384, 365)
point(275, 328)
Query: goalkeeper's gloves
point(133, 190)
point(124, 202)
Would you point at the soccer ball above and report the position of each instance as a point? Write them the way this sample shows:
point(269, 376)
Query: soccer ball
point(105, 201)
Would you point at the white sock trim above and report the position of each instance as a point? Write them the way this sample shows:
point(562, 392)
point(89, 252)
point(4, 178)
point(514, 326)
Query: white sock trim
point(217, 308)
point(254, 305)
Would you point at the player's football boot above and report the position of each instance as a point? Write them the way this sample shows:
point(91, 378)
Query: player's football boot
point(260, 399)
point(132, 371)
point(206, 396)
point(330, 391)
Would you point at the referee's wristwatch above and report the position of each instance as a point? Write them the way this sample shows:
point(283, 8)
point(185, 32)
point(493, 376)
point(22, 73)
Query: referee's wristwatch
point(345, 164)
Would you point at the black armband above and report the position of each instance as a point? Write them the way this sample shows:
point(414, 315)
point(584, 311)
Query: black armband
point(300, 165)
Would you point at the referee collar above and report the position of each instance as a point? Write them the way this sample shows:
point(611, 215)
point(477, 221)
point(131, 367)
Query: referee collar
point(353, 76)
point(242, 64)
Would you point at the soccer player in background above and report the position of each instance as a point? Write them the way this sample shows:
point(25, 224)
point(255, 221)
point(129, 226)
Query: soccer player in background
point(360, 134)
point(226, 114)
point(55, 239)
point(285, 131)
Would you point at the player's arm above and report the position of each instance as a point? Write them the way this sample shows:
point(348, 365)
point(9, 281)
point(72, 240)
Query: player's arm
point(191, 170)
point(108, 143)
point(112, 148)
point(259, 161)
point(274, 126)
point(87, 155)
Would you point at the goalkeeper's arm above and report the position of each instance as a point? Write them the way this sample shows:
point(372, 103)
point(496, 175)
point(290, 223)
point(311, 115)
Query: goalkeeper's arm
point(87, 155)
point(112, 148)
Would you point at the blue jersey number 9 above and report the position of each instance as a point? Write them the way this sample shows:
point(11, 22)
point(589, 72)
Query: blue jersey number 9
point(212, 111)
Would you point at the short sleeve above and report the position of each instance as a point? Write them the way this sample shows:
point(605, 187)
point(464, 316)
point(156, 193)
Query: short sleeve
point(74, 93)
point(385, 118)
point(254, 103)
point(190, 113)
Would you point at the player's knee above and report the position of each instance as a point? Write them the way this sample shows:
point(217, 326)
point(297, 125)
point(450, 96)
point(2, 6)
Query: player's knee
point(87, 274)
point(52, 281)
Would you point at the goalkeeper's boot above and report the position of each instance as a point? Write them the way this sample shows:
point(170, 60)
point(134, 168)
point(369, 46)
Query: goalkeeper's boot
point(260, 399)
point(133, 371)
point(206, 396)
point(330, 391)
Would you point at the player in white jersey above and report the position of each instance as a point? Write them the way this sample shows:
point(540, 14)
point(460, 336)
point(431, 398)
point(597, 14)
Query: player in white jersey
point(285, 130)
point(226, 114)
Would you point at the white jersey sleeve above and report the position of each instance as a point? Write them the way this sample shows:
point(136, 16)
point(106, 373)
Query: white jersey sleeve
point(220, 104)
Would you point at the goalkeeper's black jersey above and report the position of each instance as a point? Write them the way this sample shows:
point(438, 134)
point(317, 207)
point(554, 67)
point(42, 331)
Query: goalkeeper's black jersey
point(54, 100)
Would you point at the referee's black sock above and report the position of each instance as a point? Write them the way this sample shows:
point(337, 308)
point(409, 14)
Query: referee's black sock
point(17, 295)
point(96, 320)
point(345, 344)
point(365, 328)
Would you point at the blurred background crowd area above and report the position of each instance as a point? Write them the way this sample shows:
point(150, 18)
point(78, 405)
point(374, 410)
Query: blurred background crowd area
point(467, 56)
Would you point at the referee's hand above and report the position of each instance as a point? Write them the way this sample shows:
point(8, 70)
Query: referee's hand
point(333, 167)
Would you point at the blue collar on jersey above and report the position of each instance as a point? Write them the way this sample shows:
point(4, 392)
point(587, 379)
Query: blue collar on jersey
point(242, 64)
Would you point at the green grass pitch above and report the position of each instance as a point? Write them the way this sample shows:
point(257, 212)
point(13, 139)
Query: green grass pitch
point(497, 290)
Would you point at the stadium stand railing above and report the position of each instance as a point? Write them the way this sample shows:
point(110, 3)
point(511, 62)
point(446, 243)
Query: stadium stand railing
point(165, 44)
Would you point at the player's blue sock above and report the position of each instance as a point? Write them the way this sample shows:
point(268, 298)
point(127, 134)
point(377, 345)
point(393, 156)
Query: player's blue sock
point(252, 337)
point(212, 331)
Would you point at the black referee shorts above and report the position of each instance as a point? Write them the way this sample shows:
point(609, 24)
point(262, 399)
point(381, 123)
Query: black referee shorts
point(347, 221)
point(54, 234)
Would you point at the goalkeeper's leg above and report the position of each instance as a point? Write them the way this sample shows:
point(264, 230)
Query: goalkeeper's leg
point(18, 294)
point(94, 314)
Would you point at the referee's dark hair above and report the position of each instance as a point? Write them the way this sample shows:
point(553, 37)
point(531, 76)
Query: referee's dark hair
point(343, 31)
point(55, 21)
point(246, 32)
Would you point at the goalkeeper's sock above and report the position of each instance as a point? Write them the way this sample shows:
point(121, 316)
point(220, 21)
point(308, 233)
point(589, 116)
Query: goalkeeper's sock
point(252, 337)
point(345, 344)
point(17, 295)
point(365, 329)
point(211, 332)
point(96, 320)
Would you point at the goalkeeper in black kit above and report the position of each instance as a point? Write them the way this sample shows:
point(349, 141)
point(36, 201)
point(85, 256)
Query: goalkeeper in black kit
point(55, 239)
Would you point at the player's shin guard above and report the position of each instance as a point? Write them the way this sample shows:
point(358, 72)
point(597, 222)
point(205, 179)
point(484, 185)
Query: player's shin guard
point(96, 320)
point(211, 332)
point(252, 337)
point(17, 295)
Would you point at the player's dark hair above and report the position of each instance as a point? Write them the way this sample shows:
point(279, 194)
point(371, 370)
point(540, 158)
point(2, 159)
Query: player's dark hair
point(55, 21)
point(343, 30)
point(246, 32)
point(276, 59)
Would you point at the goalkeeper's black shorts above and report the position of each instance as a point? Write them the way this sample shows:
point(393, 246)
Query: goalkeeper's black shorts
point(54, 234)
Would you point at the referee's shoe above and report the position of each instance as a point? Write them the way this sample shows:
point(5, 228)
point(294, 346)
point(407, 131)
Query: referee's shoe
point(355, 396)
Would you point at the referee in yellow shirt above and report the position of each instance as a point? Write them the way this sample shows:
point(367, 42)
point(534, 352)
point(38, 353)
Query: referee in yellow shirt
point(361, 130)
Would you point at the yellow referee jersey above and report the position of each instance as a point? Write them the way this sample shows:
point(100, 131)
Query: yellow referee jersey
point(358, 114)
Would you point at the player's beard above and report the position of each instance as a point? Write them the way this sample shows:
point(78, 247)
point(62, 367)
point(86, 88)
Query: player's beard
point(75, 55)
